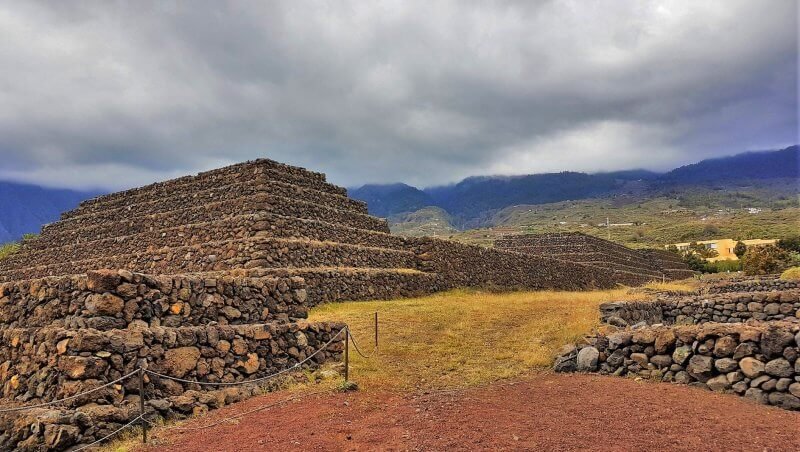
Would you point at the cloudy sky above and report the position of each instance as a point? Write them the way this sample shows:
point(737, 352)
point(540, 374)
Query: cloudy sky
point(114, 94)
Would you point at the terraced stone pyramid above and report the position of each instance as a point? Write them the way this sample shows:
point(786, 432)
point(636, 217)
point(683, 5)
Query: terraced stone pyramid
point(630, 266)
point(198, 278)
point(259, 217)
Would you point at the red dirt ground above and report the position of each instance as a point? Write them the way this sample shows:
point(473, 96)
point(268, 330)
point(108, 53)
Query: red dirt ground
point(542, 412)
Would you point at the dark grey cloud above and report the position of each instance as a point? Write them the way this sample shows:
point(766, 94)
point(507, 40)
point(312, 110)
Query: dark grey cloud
point(116, 94)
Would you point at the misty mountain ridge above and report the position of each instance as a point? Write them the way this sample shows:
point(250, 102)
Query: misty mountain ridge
point(24, 208)
point(474, 198)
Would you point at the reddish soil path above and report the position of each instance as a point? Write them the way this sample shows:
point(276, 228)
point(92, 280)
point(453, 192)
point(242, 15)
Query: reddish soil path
point(545, 412)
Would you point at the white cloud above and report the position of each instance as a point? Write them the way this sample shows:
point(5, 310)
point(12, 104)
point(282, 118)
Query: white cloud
point(422, 92)
point(600, 146)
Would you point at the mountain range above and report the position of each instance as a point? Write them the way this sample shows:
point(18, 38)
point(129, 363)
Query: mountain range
point(25, 208)
point(470, 202)
point(473, 202)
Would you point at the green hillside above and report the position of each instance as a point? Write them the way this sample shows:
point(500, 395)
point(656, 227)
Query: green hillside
point(657, 218)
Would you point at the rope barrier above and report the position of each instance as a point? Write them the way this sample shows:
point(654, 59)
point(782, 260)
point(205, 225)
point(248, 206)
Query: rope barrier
point(256, 380)
point(358, 350)
point(137, 418)
point(54, 402)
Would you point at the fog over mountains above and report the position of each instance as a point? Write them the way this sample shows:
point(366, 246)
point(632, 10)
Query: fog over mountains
point(472, 197)
point(25, 208)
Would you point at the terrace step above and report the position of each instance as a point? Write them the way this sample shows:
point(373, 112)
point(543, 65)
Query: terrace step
point(224, 176)
point(187, 213)
point(162, 300)
point(236, 189)
point(230, 228)
point(567, 240)
point(97, 241)
point(677, 274)
point(227, 255)
point(632, 278)
point(584, 253)
point(333, 284)
point(623, 267)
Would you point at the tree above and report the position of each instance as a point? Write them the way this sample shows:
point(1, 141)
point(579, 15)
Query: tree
point(739, 249)
point(695, 262)
point(791, 243)
point(702, 250)
point(765, 260)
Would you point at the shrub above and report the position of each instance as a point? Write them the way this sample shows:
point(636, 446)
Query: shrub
point(740, 249)
point(791, 243)
point(695, 262)
point(724, 266)
point(8, 249)
point(765, 260)
point(792, 274)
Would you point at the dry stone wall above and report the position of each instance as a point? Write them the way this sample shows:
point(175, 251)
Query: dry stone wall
point(352, 284)
point(695, 309)
point(108, 300)
point(760, 285)
point(635, 266)
point(759, 362)
point(53, 363)
point(63, 336)
point(732, 307)
point(460, 265)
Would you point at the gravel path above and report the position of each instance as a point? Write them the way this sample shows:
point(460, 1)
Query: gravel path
point(543, 412)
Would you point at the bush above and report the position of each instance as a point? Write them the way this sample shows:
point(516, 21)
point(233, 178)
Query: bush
point(8, 249)
point(724, 266)
point(740, 249)
point(695, 262)
point(765, 260)
point(792, 274)
point(791, 243)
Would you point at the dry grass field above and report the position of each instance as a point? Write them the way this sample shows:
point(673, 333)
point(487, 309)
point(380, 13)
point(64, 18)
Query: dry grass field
point(464, 338)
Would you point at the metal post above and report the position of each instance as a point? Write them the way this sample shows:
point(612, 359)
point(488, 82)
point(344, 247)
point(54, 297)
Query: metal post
point(376, 330)
point(347, 354)
point(141, 405)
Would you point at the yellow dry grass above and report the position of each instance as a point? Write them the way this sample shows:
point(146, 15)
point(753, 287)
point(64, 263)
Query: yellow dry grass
point(685, 285)
point(791, 274)
point(464, 338)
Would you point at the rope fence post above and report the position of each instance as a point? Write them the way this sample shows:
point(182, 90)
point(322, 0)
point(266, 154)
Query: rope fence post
point(347, 354)
point(141, 405)
point(376, 330)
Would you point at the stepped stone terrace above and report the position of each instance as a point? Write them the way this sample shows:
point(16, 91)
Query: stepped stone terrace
point(631, 266)
point(209, 278)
